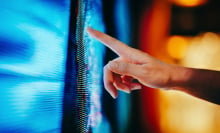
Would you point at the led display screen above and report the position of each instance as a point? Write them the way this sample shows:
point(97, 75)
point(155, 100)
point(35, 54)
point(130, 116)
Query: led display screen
point(33, 45)
point(51, 69)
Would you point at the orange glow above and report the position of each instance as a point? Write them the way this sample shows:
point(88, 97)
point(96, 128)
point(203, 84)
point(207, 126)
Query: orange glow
point(203, 52)
point(154, 28)
point(189, 3)
point(176, 46)
point(180, 112)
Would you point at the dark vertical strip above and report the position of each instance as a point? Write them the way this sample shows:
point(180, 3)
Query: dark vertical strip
point(69, 98)
point(134, 125)
point(138, 8)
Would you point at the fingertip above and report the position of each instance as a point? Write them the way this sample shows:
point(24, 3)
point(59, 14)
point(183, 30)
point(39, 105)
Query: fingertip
point(115, 95)
point(111, 90)
point(125, 89)
point(136, 87)
point(89, 30)
point(94, 33)
point(128, 91)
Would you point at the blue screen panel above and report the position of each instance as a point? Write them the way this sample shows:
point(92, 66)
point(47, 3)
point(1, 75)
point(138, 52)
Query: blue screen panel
point(33, 44)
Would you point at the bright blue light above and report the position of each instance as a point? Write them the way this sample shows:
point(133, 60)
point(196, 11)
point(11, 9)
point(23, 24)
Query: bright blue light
point(123, 30)
point(33, 43)
point(123, 21)
point(30, 104)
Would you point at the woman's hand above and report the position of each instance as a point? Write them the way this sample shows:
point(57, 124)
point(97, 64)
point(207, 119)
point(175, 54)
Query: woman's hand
point(131, 64)
point(135, 64)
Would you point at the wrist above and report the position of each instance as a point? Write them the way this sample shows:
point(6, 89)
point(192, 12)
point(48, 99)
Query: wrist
point(178, 77)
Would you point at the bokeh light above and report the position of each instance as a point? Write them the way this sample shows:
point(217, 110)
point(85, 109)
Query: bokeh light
point(176, 46)
point(189, 3)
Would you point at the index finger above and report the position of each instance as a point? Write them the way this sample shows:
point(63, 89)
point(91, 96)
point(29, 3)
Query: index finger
point(118, 47)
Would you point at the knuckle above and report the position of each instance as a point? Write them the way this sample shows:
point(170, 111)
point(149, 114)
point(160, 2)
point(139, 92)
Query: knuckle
point(113, 65)
point(121, 67)
point(105, 67)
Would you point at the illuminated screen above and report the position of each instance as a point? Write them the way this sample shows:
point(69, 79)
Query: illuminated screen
point(50, 69)
point(33, 44)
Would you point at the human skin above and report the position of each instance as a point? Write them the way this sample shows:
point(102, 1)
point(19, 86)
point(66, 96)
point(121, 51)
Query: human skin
point(149, 71)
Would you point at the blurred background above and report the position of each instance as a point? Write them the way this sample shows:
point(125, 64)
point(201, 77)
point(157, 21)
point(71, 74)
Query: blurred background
point(183, 32)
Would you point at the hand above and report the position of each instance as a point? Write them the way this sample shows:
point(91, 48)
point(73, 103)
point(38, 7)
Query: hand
point(131, 64)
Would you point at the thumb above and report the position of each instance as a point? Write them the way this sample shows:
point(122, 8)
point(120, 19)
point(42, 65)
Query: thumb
point(124, 68)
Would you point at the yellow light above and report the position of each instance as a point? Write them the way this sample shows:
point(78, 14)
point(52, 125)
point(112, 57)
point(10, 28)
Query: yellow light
point(176, 46)
point(189, 3)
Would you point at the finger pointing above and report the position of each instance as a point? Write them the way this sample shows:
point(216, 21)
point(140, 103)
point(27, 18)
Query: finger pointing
point(118, 47)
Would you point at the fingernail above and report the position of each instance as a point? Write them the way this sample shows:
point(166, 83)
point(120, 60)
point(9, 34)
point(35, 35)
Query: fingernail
point(128, 91)
point(138, 87)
